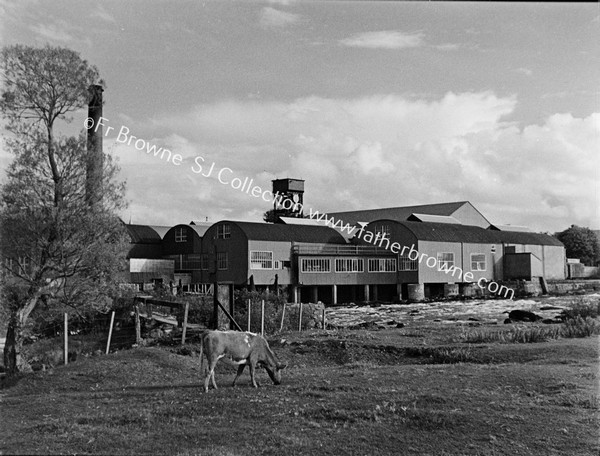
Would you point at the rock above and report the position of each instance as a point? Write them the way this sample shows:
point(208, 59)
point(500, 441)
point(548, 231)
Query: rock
point(523, 315)
point(400, 325)
point(473, 319)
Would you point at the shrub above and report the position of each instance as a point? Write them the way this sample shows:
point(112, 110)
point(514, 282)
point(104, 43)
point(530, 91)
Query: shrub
point(443, 355)
point(273, 309)
point(580, 327)
point(522, 335)
point(582, 309)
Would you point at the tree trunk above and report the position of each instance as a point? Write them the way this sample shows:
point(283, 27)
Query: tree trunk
point(14, 361)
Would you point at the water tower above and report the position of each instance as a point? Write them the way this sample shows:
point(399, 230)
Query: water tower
point(291, 197)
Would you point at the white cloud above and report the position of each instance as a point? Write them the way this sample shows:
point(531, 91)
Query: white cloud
point(387, 39)
point(524, 71)
point(271, 17)
point(381, 151)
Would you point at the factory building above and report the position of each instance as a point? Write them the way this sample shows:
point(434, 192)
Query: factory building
point(392, 254)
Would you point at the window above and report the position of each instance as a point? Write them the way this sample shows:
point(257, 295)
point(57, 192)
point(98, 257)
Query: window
point(384, 229)
point(315, 265)
point(445, 261)
point(224, 231)
point(349, 265)
point(382, 265)
point(261, 260)
point(180, 234)
point(222, 263)
point(191, 261)
point(478, 262)
point(406, 264)
point(204, 262)
point(277, 264)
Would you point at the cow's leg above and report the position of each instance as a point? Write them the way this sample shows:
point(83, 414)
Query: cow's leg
point(252, 377)
point(210, 375)
point(239, 373)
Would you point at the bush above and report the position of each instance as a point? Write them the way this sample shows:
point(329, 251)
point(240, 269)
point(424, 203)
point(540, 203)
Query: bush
point(520, 335)
point(580, 327)
point(273, 309)
point(582, 309)
point(443, 355)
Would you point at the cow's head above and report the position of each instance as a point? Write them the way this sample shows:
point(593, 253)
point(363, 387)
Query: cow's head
point(274, 372)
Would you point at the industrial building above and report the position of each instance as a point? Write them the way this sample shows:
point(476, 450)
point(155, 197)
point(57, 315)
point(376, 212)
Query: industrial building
point(389, 254)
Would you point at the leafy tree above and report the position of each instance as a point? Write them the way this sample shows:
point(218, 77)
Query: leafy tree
point(270, 217)
point(58, 250)
point(582, 243)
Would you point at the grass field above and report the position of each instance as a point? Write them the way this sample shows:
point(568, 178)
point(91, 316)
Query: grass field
point(395, 391)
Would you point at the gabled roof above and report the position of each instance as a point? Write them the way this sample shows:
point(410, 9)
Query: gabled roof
point(446, 232)
point(497, 227)
point(433, 218)
point(289, 233)
point(399, 213)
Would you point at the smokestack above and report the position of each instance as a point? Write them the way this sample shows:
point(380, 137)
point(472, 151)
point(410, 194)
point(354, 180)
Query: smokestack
point(95, 161)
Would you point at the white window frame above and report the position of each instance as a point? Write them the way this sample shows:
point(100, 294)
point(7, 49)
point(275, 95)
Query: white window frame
point(277, 264)
point(441, 261)
point(317, 265)
point(263, 259)
point(181, 234)
point(347, 265)
point(479, 264)
point(222, 258)
point(407, 264)
point(223, 231)
point(382, 264)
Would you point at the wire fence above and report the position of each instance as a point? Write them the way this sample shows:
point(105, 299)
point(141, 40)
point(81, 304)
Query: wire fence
point(145, 320)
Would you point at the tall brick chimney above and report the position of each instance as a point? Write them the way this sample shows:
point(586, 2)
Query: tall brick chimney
point(95, 160)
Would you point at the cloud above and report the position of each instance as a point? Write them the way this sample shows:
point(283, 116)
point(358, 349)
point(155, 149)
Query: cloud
point(376, 151)
point(271, 17)
point(104, 15)
point(524, 71)
point(52, 32)
point(389, 39)
point(447, 47)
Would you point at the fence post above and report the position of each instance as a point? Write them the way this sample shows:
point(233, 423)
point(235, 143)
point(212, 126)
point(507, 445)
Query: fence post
point(323, 318)
point(262, 318)
point(66, 346)
point(300, 319)
point(112, 320)
point(185, 318)
point(138, 326)
point(282, 318)
point(249, 312)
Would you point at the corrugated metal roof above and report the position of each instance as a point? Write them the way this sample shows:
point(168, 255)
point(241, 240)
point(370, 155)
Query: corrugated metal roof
point(433, 218)
point(522, 229)
point(398, 213)
point(143, 234)
point(445, 232)
point(289, 233)
point(161, 230)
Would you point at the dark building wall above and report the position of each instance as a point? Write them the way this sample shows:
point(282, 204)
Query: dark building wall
point(236, 247)
point(192, 244)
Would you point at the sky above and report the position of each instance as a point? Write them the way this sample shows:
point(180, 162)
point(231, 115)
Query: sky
point(373, 104)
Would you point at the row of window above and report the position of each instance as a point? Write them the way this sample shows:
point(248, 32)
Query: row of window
point(445, 261)
point(264, 260)
point(348, 265)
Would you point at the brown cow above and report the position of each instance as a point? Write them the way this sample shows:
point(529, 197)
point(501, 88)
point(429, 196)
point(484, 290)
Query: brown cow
point(243, 348)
